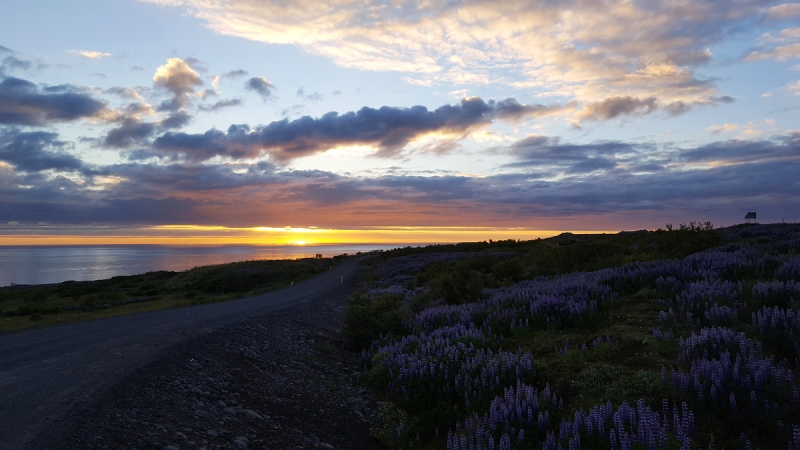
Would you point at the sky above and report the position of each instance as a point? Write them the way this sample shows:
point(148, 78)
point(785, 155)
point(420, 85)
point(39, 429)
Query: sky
point(312, 121)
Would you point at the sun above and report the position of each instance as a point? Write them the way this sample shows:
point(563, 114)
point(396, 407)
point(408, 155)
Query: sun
point(301, 242)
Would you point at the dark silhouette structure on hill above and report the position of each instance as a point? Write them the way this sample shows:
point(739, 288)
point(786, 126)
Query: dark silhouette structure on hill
point(750, 217)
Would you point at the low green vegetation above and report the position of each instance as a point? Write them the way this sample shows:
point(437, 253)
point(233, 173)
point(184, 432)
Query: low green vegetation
point(496, 264)
point(30, 306)
point(433, 320)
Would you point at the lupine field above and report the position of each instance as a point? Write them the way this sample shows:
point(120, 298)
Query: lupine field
point(675, 339)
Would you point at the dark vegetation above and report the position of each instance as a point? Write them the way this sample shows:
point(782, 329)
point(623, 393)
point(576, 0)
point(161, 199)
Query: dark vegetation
point(25, 306)
point(495, 264)
point(686, 337)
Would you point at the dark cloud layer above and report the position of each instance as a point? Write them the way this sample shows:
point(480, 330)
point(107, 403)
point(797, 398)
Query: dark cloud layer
point(737, 151)
point(35, 151)
point(133, 131)
point(756, 175)
point(176, 120)
point(387, 127)
point(130, 132)
point(23, 103)
point(82, 211)
point(546, 152)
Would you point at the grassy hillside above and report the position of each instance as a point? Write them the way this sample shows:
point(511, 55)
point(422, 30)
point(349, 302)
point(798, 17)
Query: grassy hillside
point(681, 338)
point(30, 306)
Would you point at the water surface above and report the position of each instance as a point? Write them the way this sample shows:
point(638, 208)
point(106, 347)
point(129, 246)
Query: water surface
point(54, 264)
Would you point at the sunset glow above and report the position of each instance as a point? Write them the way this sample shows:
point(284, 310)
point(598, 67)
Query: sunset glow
point(204, 235)
point(315, 122)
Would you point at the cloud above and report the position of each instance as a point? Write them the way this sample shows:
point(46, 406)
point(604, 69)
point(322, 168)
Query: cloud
point(130, 132)
point(314, 97)
point(784, 10)
point(781, 47)
point(548, 154)
point(556, 183)
point(750, 133)
point(14, 63)
point(780, 53)
point(5, 49)
point(511, 109)
point(196, 64)
point(639, 50)
point(390, 129)
point(180, 79)
point(790, 33)
point(89, 54)
point(133, 131)
point(794, 87)
point(221, 105)
point(35, 151)
point(23, 103)
point(124, 92)
point(176, 120)
point(613, 107)
point(205, 93)
point(260, 85)
point(293, 109)
point(236, 73)
point(69, 207)
point(136, 110)
point(716, 129)
point(736, 151)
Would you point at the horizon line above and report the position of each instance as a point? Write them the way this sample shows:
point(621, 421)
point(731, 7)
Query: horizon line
point(177, 235)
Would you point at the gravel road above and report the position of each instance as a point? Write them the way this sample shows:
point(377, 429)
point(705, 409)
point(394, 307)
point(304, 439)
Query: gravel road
point(55, 381)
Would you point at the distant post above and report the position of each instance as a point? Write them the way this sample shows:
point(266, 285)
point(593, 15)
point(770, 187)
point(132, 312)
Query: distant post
point(750, 217)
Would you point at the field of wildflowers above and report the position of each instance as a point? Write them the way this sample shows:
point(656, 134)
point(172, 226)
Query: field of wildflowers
point(661, 345)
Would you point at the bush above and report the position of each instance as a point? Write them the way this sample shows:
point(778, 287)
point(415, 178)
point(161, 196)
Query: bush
point(365, 318)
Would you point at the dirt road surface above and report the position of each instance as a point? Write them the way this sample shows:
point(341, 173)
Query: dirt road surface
point(50, 373)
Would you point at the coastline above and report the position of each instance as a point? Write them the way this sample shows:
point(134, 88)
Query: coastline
point(52, 264)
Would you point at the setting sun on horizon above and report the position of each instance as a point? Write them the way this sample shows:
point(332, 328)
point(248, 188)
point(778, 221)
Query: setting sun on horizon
point(205, 235)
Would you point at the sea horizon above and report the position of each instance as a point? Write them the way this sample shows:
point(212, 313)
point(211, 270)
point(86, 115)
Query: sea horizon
point(48, 264)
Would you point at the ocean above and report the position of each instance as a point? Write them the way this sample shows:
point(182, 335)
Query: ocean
point(54, 264)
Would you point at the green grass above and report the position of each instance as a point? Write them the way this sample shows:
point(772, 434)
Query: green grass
point(24, 307)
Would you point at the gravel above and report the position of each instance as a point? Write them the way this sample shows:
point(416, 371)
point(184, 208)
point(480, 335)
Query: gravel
point(278, 381)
